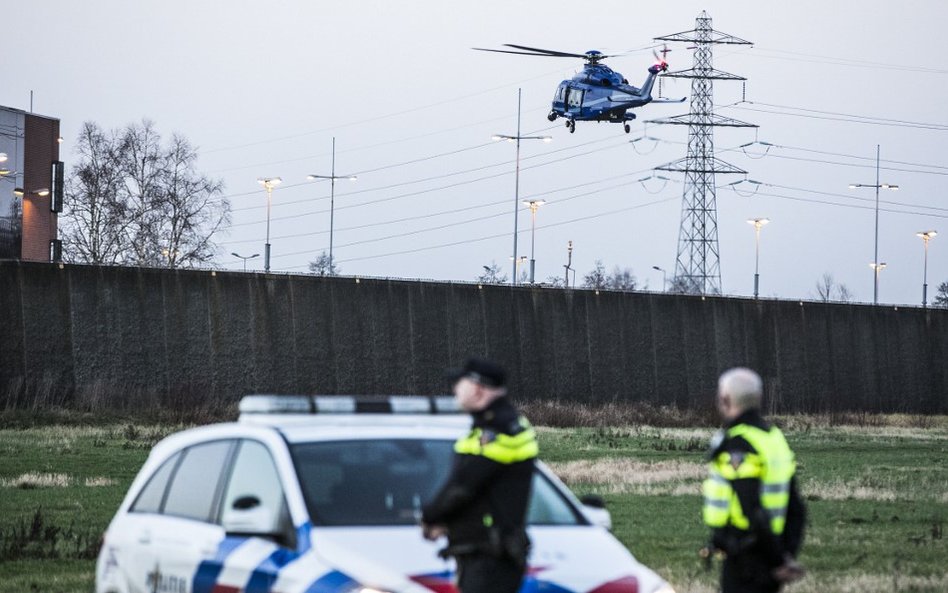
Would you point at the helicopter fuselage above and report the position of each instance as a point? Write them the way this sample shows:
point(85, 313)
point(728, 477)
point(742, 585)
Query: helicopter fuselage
point(599, 93)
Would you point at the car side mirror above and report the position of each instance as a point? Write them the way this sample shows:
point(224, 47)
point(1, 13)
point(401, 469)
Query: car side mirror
point(594, 507)
point(246, 516)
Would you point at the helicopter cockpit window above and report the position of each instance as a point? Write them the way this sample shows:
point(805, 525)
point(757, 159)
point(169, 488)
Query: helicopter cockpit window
point(575, 97)
point(560, 96)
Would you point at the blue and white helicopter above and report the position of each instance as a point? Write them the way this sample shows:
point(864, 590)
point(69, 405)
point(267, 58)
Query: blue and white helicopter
point(598, 93)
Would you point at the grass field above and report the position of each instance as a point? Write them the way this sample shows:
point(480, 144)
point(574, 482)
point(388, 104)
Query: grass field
point(877, 496)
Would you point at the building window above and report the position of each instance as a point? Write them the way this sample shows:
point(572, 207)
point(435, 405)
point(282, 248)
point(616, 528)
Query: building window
point(55, 250)
point(56, 201)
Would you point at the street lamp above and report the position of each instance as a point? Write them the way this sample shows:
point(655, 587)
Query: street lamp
point(664, 277)
point(877, 186)
point(926, 237)
point(517, 261)
point(332, 177)
point(269, 183)
point(757, 222)
point(517, 139)
point(876, 270)
point(237, 255)
point(534, 206)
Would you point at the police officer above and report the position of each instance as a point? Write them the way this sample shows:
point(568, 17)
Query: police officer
point(751, 500)
point(483, 505)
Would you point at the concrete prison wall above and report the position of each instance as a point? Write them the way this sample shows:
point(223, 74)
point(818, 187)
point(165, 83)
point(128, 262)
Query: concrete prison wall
point(101, 337)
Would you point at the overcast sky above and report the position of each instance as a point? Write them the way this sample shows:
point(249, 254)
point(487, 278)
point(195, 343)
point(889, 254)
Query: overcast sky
point(262, 87)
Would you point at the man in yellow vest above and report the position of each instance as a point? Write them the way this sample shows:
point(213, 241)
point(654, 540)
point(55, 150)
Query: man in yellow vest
point(751, 500)
point(482, 506)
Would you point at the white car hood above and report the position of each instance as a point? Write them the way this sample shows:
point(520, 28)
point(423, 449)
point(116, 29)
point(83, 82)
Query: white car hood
point(573, 559)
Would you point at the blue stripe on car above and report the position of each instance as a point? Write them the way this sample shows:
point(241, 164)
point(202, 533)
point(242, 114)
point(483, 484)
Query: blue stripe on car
point(205, 577)
point(332, 582)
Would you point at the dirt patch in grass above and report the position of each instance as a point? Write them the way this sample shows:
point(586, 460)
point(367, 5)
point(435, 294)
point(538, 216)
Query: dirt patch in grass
point(99, 481)
point(36, 480)
point(632, 476)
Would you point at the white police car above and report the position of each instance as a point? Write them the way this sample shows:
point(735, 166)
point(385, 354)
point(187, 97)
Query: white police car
point(322, 495)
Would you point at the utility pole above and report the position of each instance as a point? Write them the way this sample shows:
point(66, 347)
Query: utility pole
point(569, 261)
point(332, 177)
point(698, 265)
point(517, 139)
point(875, 257)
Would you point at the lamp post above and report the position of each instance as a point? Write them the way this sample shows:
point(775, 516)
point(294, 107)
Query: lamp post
point(926, 237)
point(269, 183)
point(875, 257)
point(517, 261)
point(757, 222)
point(534, 206)
point(332, 177)
point(237, 255)
point(664, 277)
point(877, 268)
point(517, 139)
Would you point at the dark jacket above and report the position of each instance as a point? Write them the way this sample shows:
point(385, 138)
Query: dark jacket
point(484, 501)
point(759, 542)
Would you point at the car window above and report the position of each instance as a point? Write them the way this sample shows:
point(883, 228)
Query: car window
point(255, 476)
point(149, 500)
point(194, 488)
point(547, 505)
point(385, 482)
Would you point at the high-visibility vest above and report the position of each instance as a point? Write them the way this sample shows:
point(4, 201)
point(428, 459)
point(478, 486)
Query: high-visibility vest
point(772, 462)
point(502, 448)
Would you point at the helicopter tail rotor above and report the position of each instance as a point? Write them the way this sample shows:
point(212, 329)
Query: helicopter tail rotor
point(660, 64)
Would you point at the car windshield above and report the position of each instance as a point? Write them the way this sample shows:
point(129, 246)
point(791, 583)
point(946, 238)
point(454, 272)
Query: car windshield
point(385, 482)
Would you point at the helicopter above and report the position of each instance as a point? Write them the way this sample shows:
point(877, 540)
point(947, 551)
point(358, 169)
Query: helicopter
point(598, 93)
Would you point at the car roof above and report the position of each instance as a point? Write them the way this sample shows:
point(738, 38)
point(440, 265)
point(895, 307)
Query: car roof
point(304, 428)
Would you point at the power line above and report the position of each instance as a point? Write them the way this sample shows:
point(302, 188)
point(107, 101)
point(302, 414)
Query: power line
point(439, 213)
point(499, 235)
point(384, 116)
point(844, 117)
point(818, 59)
point(429, 190)
point(371, 146)
point(423, 179)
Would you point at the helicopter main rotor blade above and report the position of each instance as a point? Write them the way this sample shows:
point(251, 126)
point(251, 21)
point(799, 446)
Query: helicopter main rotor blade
point(549, 52)
point(523, 53)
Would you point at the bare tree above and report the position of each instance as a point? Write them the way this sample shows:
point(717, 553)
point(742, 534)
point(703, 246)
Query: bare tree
point(827, 290)
point(143, 162)
point(323, 266)
point(130, 199)
point(622, 279)
point(492, 275)
point(941, 296)
point(597, 277)
point(189, 209)
point(95, 217)
point(556, 281)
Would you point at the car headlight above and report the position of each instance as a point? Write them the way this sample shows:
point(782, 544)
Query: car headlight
point(666, 588)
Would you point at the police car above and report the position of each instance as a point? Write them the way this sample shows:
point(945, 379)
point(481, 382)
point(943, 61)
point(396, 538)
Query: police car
point(322, 495)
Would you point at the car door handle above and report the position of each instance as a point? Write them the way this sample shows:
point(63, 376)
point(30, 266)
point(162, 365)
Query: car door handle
point(144, 537)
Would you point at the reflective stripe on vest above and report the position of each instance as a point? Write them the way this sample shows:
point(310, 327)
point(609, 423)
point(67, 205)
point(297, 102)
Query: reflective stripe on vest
point(500, 447)
point(773, 464)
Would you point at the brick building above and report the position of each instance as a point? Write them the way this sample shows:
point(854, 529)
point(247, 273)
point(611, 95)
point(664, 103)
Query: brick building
point(31, 186)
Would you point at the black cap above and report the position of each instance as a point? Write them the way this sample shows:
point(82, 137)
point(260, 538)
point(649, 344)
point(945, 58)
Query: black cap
point(481, 371)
